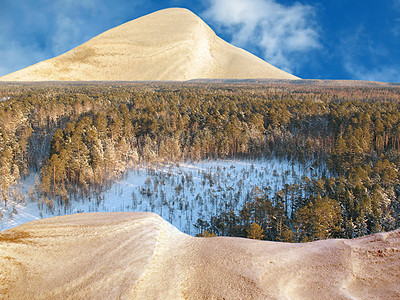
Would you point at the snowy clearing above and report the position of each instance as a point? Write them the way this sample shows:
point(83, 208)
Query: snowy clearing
point(179, 193)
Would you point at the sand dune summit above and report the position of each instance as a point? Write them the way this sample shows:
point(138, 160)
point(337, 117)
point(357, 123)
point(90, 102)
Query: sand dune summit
point(171, 44)
point(140, 256)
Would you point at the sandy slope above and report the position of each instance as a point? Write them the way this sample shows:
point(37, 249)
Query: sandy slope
point(140, 256)
point(171, 44)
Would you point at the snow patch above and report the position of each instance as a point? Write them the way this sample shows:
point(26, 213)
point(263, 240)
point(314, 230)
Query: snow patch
point(180, 193)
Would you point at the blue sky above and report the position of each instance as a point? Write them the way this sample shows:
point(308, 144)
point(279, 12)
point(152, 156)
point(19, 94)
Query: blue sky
point(331, 39)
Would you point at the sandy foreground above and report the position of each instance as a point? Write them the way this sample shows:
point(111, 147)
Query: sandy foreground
point(172, 44)
point(141, 256)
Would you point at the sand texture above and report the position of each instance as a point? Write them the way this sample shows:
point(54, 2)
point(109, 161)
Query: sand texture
point(141, 256)
point(171, 44)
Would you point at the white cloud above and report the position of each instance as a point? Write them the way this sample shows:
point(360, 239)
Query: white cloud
point(280, 32)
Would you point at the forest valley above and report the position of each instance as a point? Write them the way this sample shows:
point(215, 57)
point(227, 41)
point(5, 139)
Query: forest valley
point(82, 137)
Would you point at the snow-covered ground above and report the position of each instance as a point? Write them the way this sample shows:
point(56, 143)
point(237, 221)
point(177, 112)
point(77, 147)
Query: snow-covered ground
point(180, 193)
point(4, 99)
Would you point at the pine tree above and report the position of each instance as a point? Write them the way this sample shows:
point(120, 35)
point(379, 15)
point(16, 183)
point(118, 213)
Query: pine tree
point(6, 176)
point(255, 232)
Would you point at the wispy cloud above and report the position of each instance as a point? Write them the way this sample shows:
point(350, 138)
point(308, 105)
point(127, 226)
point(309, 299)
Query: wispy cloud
point(16, 56)
point(32, 31)
point(383, 73)
point(396, 27)
point(282, 33)
point(364, 59)
point(69, 24)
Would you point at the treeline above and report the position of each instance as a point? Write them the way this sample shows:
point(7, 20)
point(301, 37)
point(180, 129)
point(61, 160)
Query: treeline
point(29, 119)
point(81, 137)
point(315, 209)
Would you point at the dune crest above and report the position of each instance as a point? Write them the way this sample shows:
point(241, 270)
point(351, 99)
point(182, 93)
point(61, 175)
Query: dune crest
point(141, 256)
point(172, 44)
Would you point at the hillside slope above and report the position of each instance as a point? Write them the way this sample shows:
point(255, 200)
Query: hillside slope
point(140, 256)
point(171, 44)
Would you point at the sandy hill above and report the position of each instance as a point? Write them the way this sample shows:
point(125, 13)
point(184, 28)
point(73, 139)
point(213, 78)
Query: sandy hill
point(140, 256)
point(171, 44)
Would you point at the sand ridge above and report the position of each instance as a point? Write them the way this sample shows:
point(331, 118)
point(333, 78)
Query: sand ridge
point(169, 45)
point(141, 256)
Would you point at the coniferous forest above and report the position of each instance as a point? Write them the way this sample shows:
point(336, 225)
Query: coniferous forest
point(81, 137)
